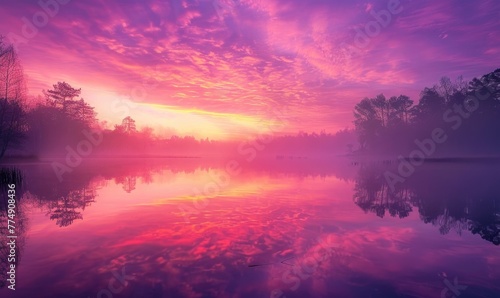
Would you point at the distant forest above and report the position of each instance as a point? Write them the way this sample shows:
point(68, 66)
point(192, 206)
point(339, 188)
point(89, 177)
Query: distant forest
point(59, 122)
point(466, 114)
point(56, 122)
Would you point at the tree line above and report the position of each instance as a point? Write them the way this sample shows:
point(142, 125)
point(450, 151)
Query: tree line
point(27, 124)
point(12, 97)
point(467, 110)
point(47, 124)
point(43, 126)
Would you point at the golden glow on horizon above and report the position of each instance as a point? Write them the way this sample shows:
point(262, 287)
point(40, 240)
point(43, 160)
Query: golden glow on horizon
point(225, 122)
point(169, 119)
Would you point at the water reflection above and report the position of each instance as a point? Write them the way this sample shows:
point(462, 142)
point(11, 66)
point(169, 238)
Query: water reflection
point(19, 221)
point(459, 196)
point(286, 229)
point(65, 209)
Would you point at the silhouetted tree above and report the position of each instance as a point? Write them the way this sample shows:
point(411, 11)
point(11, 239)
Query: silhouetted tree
point(430, 106)
point(488, 86)
point(82, 111)
point(381, 107)
point(367, 122)
point(392, 126)
point(12, 93)
point(399, 110)
point(63, 96)
point(128, 125)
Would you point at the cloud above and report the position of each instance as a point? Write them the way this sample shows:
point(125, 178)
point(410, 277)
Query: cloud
point(244, 56)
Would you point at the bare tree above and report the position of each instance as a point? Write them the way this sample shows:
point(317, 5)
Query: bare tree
point(12, 94)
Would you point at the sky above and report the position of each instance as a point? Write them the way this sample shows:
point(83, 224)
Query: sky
point(226, 69)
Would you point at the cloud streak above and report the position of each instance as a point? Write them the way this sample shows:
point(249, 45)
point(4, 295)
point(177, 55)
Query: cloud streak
point(254, 54)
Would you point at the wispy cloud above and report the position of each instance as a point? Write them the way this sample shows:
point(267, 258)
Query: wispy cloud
point(255, 53)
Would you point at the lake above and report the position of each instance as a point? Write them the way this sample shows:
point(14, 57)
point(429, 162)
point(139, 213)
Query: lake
point(293, 227)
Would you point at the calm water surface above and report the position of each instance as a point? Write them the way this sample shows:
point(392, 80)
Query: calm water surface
point(281, 229)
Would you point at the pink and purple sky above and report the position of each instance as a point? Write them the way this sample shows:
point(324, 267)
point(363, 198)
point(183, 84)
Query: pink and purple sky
point(218, 68)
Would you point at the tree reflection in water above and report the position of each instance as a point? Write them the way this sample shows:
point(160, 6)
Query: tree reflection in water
point(11, 176)
point(451, 196)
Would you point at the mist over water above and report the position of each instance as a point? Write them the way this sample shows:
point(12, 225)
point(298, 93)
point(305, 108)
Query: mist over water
point(154, 220)
point(249, 149)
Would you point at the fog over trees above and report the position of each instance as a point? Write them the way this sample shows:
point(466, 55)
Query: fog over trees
point(12, 97)
point(56, 121)
point(468, 113)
